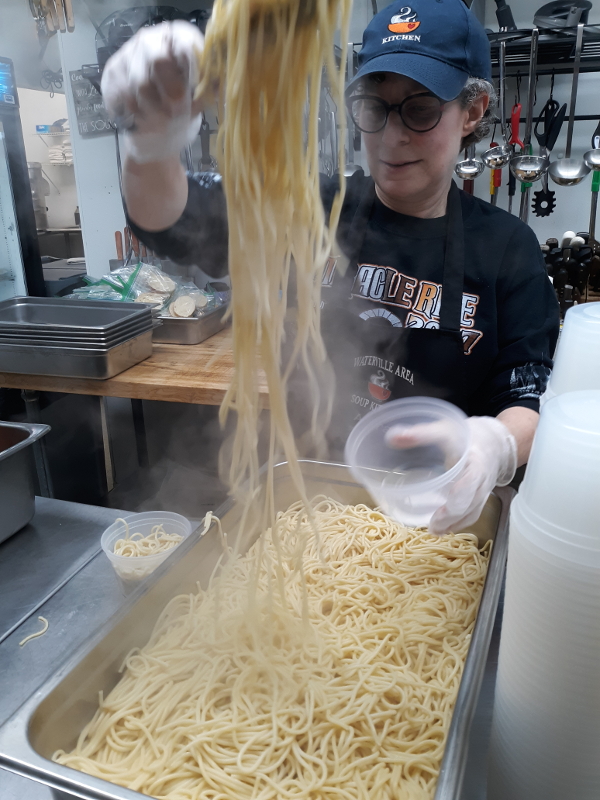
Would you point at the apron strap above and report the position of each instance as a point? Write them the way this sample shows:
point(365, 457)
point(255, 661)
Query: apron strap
point(454, 264)
point(360, 220)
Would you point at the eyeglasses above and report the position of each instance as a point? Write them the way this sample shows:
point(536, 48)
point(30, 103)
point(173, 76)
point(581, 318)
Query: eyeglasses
point(418, 112)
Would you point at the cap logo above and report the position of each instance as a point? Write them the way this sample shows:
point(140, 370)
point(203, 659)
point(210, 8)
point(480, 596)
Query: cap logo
point(404, 22)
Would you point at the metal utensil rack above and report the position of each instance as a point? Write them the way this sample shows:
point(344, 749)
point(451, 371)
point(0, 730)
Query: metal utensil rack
point(556, 51)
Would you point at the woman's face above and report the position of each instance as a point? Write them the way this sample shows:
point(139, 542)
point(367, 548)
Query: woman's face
point(408, 166)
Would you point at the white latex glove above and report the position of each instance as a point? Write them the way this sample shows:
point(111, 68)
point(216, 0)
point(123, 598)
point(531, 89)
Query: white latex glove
point(147, 88)
point(491, 461)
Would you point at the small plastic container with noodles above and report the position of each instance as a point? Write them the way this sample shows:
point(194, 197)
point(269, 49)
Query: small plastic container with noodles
point(142, 542)
point(409, 483)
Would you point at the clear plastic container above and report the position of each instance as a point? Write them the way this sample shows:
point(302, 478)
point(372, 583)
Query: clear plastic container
point(546, 723)
point(133, 569)
point(577, 360)
point(409, 484)
point(556, 540)
point(563, 474)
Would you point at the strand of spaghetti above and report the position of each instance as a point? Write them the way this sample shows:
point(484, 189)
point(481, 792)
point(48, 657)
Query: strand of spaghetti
point(31, 636)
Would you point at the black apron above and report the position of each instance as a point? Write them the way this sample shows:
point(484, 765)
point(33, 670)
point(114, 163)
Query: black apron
point(406, 361)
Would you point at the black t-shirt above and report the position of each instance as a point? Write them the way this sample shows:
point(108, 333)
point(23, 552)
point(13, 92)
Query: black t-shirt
point(510, 316)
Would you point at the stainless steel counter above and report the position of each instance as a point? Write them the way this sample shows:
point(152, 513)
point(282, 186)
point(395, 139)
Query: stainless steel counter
point(54, 568)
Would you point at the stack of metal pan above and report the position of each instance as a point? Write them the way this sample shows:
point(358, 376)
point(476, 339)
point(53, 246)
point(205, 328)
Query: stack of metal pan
point(73, 338)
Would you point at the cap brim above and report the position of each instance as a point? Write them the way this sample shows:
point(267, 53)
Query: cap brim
point(443, 80)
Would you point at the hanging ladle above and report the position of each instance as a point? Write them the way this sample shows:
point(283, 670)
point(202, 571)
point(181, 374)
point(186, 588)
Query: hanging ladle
point(526, 167)
point(570, 171)
point(499, 156)
point(592, 160)
point(470, 167)
point(592, 157)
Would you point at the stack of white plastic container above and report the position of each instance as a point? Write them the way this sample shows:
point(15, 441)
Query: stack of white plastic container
point(577, 360)
point(546, 729)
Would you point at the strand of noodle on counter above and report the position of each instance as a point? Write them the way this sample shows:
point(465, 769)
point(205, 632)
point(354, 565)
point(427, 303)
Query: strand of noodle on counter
point(45, 626)
point(353, 702)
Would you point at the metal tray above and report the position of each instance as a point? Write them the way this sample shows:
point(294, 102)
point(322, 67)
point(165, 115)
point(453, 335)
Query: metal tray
point(62, 315)
point(54, 716)
point(72, 362)
point(192, 330)
point(73, 341)
point(17, 475)
point(43, 333)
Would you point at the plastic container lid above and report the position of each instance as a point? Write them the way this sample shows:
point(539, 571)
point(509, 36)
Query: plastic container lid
point(132, 569)
point(409, 484)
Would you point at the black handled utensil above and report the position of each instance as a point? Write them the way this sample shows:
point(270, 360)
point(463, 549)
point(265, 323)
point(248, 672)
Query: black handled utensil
point(551, 119)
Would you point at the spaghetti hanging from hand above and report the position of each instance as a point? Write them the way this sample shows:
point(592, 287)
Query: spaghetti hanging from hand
point(268, 58)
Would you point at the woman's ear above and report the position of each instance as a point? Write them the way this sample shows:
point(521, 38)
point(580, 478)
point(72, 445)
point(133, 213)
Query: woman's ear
point(474, 114)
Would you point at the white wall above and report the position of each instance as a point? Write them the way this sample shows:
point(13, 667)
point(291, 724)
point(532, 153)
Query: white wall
point(38, 108)
point(572, 203)
point(95, 163)
point(19, 42)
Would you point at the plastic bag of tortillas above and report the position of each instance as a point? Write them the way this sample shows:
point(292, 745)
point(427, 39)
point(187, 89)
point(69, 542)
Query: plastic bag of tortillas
point(189, 301)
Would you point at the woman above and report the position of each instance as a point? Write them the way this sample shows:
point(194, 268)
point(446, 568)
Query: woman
point(434, 292)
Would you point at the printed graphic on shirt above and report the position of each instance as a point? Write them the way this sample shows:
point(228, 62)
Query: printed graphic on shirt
point(387, 366)
point(379, 386)
point(422, 301)
point(378, 382)
point(382, 313)
point(529, 381)
point(329, 271)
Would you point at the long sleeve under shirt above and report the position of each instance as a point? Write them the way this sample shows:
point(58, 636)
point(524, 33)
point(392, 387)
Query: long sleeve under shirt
point(510, 314)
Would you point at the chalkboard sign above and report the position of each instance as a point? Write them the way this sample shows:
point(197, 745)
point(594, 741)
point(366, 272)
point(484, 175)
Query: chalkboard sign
point(92, 118)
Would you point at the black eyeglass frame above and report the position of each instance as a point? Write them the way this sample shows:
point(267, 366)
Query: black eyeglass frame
point(389, 107)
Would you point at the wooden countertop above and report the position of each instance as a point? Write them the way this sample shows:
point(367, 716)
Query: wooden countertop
point(174, 373)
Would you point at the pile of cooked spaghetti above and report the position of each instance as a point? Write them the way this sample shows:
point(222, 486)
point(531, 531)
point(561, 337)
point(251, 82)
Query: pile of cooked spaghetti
point(311, 667)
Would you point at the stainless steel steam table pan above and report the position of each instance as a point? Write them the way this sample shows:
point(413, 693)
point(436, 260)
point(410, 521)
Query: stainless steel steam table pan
point(72, 362)
point(62, 315)
point(17, 475)
point(192, 330)
point(54, 716)
point(95, 342)
point(45, 335)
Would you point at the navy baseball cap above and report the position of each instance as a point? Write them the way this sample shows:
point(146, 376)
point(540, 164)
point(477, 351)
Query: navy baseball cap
point(438, 43)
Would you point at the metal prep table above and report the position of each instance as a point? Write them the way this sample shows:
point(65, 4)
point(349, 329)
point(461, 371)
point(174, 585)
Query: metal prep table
point(54, 568)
